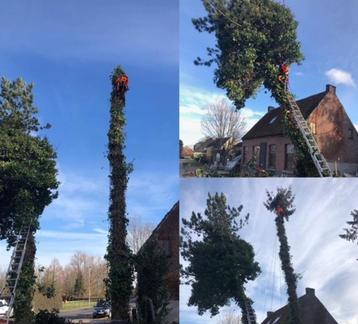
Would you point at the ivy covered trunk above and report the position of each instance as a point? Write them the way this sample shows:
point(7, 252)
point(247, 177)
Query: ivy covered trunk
point(282, 205)
point(244, 302)
point(290, 276)
point(25, 288)
point(304, 162)
point(119, 284)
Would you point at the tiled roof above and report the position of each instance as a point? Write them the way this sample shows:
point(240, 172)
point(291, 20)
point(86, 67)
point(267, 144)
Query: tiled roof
point(311, 311)
point(271, 124)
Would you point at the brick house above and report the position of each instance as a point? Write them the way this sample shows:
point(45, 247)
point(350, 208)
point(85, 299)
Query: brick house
point(335, 134)
point(311, 311)
point(210, 147)
point(167, 236)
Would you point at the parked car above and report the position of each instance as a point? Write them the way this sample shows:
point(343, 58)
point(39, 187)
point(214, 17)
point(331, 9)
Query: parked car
point(102, 309)
point(4, 307)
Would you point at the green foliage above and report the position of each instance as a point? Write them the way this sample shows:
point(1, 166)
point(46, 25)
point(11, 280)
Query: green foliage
point(78, 289)
point(119, 256)
point(282, 205)
point(25, 288)
point(152, 266)
point(220, 261)
point(253, 38)
point(351, 233)
point(27, 162)
point(27, 180)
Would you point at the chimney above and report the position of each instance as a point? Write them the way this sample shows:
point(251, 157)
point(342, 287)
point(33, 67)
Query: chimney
point(269, 108)
point(310, 291)
point(330, 89)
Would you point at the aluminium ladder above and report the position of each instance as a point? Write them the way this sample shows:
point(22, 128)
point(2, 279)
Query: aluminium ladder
point(15, 266)
point(250, 313)
point(317, 157)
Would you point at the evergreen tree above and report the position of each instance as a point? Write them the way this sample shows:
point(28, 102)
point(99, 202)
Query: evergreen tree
point(152, 266)
point(220, 261)
point(351, 233)
point(118, 255)
point(253, 39)
point(282, 205)
point(78, 288)
point(27, 180)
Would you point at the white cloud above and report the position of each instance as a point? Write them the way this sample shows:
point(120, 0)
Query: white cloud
point(329, 268)
point(356, 126)
point(339, 76)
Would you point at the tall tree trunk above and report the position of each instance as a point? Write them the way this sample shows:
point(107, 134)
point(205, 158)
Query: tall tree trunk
point(25, 288)
point(118, 253)
point(290, 276)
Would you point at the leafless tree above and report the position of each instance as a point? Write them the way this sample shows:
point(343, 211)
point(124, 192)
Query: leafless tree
point(138, 233)
point(222, 120)
point(230, 318)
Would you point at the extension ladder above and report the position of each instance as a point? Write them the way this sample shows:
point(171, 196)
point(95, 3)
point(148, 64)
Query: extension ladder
point(250, 313)
point(317, 157)
point(15, 266)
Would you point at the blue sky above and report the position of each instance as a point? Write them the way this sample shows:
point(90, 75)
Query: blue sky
point(68, 49)
point(326, 263)
point(327, 31)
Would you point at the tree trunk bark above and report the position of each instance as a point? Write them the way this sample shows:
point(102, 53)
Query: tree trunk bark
point(118, 253)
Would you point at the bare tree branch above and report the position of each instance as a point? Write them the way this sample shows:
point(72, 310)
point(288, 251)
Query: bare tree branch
point(222, 120)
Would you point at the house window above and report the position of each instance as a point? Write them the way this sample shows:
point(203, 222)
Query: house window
point(289, 154)
point(350, 133)
point(272, 156)
point(313, 128)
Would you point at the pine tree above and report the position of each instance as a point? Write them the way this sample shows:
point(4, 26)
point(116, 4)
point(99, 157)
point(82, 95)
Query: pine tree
point(351, 233)
point(220, 261)
point(27, 180)
point(253, 39)
point(282, 205)
point(119, 258)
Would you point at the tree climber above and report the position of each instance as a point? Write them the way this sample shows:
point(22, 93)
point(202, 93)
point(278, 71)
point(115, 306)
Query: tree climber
point(122, 83)
point(279, 211)
point(284, 72)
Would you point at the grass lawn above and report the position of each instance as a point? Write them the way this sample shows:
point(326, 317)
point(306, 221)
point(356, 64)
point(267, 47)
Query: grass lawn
point(77, 304)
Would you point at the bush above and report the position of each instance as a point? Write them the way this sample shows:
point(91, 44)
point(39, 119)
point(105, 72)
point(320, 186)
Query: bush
point(46, 317)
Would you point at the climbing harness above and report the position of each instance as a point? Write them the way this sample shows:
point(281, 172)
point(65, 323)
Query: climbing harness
point(14, 269)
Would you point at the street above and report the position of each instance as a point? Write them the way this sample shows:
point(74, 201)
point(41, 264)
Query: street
point(82, 316)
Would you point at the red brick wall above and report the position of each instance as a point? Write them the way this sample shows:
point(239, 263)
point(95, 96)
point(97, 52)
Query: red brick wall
point(167, 236)
point(332, 131)
point(169, 231)
point(332, 126)
point(279, 141)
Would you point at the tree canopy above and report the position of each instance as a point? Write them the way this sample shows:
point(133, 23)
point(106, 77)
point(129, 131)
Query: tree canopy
point(220, 261)
point(253, 38)
point(27, 161)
